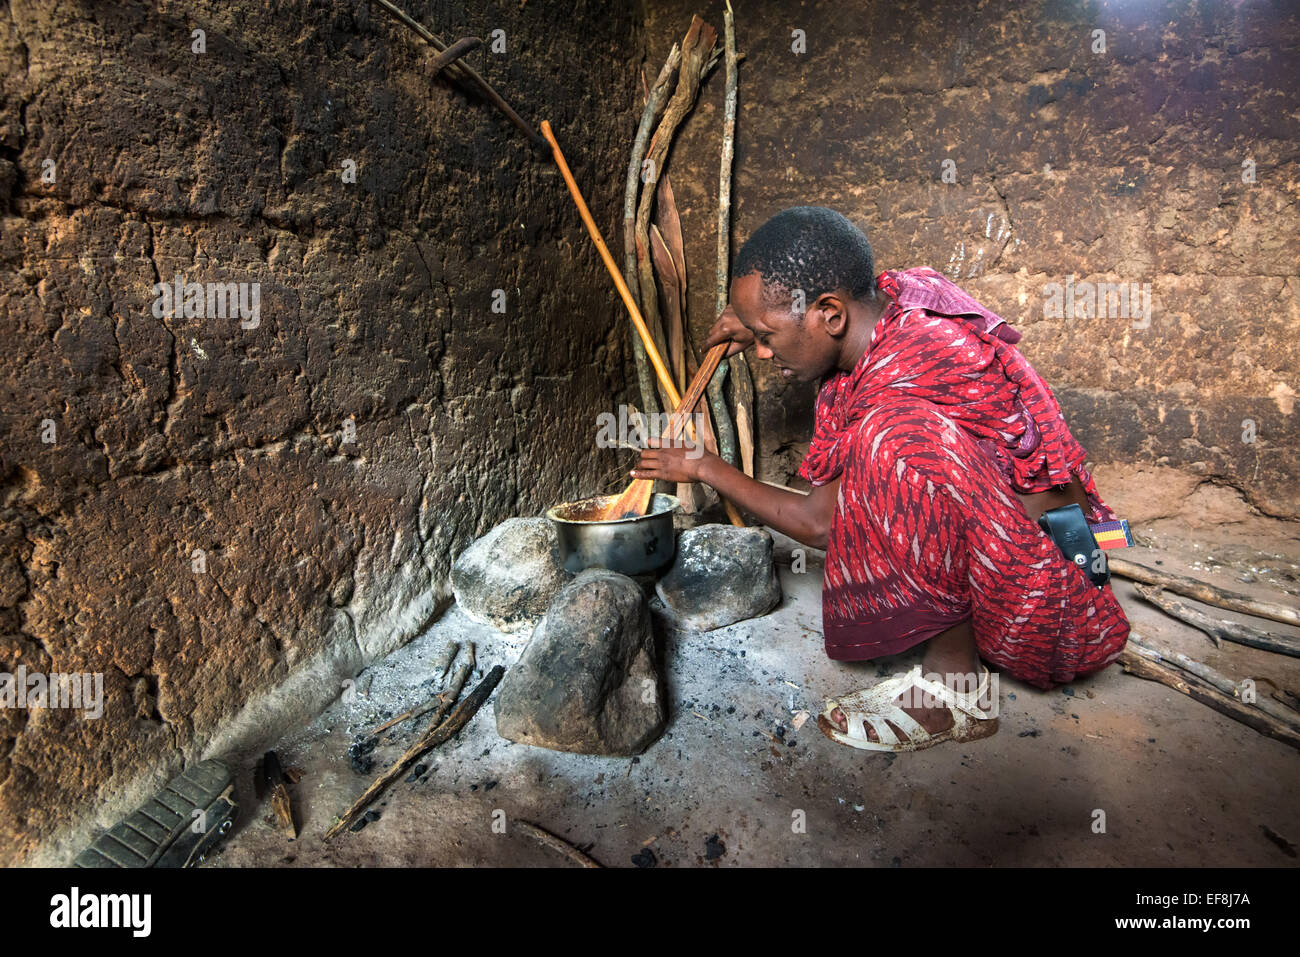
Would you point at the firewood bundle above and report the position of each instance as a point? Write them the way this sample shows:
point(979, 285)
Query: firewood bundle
point(654, 250)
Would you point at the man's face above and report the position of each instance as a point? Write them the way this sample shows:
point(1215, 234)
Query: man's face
point(803, 351)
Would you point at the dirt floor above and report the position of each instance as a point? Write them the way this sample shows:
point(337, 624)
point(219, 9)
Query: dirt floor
point(732, 778)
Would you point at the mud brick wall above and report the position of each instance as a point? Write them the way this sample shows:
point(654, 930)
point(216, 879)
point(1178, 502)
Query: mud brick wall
point(1069, 165)
point(228, 517)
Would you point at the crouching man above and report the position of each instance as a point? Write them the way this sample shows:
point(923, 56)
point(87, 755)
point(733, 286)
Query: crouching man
point(936, 448)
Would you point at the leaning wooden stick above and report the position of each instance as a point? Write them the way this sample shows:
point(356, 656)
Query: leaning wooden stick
point(697, 47)
point(453, 53)
point(655, 101)
point(556, 844)
point(435, 735)
point(741, 383)
point(462, 71)
point(670, 280)
point(1233, 601)
point(669, 256)
point(1222, 628)
point(1133, 661)
point(661, 370)
point(668, 249)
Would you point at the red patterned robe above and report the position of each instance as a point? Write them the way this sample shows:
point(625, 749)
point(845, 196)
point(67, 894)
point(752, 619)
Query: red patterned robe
point(941, 419)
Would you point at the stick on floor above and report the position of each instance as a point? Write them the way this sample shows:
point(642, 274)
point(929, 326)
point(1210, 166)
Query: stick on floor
point(1221, 628)
point(1133, 660)
point(433, 736)
point(1182, 585)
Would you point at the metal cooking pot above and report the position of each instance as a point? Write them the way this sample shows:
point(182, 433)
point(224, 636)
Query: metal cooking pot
point(632, 546)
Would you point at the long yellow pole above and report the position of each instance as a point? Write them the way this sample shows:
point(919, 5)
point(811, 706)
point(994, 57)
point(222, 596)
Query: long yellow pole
point(661, 370)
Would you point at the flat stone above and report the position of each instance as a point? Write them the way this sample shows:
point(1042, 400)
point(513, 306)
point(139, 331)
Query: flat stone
point(587, 682)
point(509, 576)
point(720, 575)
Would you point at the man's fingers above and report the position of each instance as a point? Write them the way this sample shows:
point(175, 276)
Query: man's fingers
point(730, 327)
point(731, 350)
point(736, 344)
point(652, 463)
point(715, 336)
point(663, 443)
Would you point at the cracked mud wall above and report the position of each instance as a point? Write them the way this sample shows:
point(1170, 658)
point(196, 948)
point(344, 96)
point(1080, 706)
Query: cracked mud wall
point(1070, 165)
point(228, 519)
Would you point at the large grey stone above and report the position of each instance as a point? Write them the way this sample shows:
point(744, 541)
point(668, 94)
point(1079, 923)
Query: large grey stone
point(720, 575)
point(587, 681)
point(509, 576)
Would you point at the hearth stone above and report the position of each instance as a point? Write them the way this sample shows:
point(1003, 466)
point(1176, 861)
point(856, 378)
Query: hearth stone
point(509, 576)
point(588, 681)
point(720, 575)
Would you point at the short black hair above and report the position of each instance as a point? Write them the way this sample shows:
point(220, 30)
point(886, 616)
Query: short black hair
point(810, 248)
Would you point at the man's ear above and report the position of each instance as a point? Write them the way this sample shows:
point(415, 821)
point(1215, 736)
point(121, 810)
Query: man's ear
point(833, 313)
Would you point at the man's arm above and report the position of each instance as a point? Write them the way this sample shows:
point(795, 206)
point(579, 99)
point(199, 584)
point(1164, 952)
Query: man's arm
point(805, 518)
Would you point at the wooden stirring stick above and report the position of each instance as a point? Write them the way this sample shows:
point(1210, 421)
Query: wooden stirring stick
point(636, 498)
point(661, 370)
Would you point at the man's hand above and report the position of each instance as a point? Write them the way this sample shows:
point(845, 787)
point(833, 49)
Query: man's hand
point(730, 327)
point(672, 463)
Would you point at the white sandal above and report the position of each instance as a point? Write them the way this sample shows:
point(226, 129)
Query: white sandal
point(876, 706)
